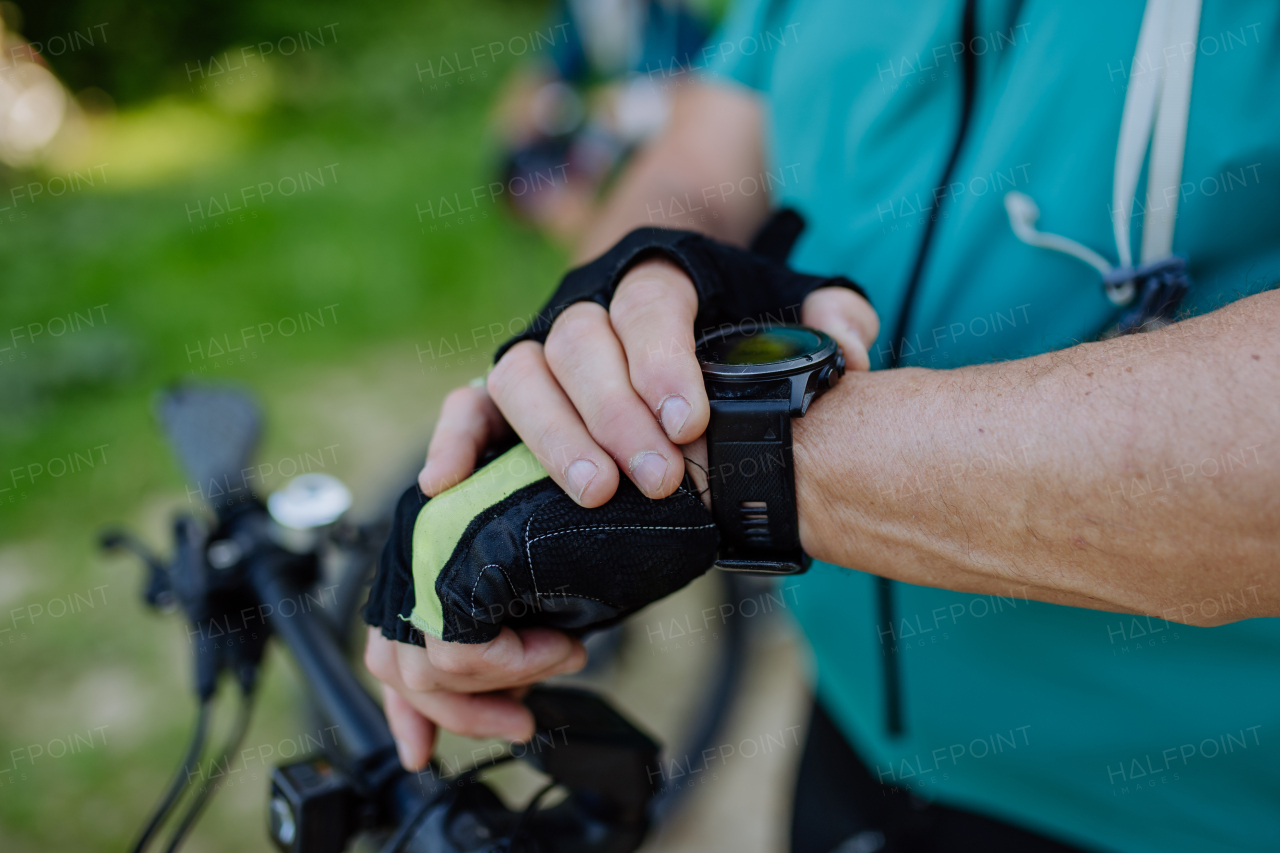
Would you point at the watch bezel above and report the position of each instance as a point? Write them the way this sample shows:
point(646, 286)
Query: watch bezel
point(826, 351)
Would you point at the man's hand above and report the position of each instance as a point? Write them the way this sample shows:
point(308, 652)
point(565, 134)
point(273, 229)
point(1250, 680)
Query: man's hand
point(609, 389)
point(471, 690)
point(614, 391)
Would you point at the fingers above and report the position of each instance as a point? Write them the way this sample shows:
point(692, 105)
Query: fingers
point(467, 689)
point(415, 735)
point(523, 388)
point(380, 656)
point(845, 316)
point(653, 314)
point(510, 660)
point(476, 715)
point(468, 422)
point(587, 360)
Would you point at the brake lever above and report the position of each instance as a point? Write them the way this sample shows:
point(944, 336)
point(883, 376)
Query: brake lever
point(157, 590)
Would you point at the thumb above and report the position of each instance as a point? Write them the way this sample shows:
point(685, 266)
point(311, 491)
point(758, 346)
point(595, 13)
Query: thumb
point(846, 317)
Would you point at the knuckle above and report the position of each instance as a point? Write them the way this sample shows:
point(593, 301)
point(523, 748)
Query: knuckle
point(418, 673)
point(456, 666)
point(666, 366)
point(641, 309)
point(513, 367)
point(613, 422)
point(449, 662)
point(638, 291)
point(550, 443)
point(576, 326)
point(656, 278)
point(419, 681)
point(460, 398)
point(375, 662)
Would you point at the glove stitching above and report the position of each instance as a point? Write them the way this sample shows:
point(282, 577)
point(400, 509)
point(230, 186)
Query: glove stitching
point(477, 584)
point(589, 598)
point(533, 577)
point(614, 527)
point(528, 545)
point(529, 554)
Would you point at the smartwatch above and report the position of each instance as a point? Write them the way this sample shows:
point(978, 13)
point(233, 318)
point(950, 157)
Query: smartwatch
point(756, 383)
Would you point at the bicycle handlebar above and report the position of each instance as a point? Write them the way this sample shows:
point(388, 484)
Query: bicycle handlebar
point(319, 803)
point(366, 740)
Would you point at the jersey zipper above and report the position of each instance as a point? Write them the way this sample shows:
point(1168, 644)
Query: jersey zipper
point(885, 588)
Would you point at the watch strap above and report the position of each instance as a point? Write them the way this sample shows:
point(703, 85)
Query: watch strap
point(751, 473)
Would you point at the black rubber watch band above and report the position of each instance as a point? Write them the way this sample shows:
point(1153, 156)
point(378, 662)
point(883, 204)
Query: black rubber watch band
point(757, 381)
point(753, 487)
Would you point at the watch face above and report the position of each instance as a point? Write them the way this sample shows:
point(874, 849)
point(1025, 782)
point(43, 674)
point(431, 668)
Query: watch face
point(769, 346)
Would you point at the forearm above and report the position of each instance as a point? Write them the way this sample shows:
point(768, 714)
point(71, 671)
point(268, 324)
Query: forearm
point(712, 138)
point(1136, 474)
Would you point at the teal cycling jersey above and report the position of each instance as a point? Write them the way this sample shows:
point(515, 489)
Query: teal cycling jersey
point(1107, 731)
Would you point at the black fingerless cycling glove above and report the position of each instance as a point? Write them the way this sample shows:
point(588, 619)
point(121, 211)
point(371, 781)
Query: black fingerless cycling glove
point(508, 547)
point(734, 285)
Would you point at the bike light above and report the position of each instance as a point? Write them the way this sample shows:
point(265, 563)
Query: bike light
point(284, 829)
point(312, 808)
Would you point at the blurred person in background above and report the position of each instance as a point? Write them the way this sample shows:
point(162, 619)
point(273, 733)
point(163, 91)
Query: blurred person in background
point(577, 115)
point(1047, 636)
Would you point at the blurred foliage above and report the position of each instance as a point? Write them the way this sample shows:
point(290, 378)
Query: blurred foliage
point(136, 49)
point(132, 244)
point(171, 275)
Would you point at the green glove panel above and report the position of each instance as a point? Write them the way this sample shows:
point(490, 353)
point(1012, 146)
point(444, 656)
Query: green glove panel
point(508, 547)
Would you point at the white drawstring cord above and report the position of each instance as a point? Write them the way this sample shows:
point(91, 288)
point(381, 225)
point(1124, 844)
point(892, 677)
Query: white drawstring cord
point(1023, 216)
point(1171, 23)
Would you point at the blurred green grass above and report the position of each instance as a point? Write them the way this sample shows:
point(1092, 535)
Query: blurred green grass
point(129, 245)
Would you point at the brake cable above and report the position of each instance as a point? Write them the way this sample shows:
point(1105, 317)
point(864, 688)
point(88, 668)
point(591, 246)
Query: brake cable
point(202, 797)
point(180, 780)
point(523, 823)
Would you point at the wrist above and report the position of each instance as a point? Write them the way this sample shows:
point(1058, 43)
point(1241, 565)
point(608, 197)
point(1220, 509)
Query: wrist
point(810, 501)
point(849, 448)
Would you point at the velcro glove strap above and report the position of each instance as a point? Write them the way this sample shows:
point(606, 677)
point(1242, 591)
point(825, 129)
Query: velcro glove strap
point(508, 547)
point(734, 285)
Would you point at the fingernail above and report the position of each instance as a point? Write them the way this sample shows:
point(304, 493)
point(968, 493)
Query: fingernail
point(649, 469)
point(579, 475)
point(673, 412)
